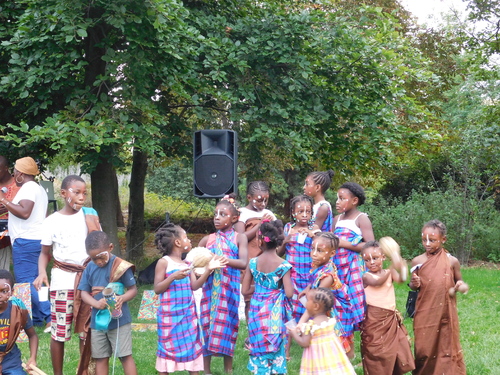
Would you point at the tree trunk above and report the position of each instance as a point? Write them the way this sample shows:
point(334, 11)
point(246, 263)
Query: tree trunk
point(104, 200)
point(135, 226)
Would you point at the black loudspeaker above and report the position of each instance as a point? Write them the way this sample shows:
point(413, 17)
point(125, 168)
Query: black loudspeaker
point(215, 163)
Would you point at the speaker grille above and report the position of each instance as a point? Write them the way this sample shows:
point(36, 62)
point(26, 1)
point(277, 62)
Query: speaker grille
point(214, 174)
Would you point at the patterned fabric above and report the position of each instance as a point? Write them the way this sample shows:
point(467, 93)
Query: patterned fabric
point(269, 311)
point(221, 298)
point(299, 256)
point(61, 310)
point(325, 355)
point(342, 304)
point(350, 274)
point(179, 336)
point(328, 223)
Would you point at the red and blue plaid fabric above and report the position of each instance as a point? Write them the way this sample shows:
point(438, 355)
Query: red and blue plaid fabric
point(299, 256)
point(328, 223)
point(350, 274)
point(221, 298)
point(342, 304)
point(179, 336)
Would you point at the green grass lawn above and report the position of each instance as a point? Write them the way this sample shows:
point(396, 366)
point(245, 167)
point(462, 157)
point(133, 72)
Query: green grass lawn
point(479, 313)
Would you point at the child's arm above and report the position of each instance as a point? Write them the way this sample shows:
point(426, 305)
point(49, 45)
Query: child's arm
point(321, 215)
point(43, 261)
point(216, 262)
point(370, 279)
point(246, 285)
point(457, 274)
point(91, 301)
point(288, 284)
point(281, 249)
point(33, 343)
point(302, 339)
point(161, 283)
point(241, 262)
point(203, 242)
point(397, 277)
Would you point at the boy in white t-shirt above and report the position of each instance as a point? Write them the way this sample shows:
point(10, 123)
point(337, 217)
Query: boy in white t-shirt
point(65, 232)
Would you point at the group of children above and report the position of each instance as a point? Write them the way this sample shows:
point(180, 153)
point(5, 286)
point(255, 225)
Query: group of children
point(330, 283)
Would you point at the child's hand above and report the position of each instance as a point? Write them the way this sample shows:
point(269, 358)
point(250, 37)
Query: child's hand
point(179, 275)
point(28, 366)
point(266, 217)
point(40, 281)
point(100, 304)
point(415, 280)
point(217, 262)
point(462, 287)
point(119, 302)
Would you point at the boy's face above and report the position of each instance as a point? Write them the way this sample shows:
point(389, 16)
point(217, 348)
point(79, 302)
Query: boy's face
point(374, 259)
point(5, 291)
point(75, 195)
point(101, 256)
point(432, 240)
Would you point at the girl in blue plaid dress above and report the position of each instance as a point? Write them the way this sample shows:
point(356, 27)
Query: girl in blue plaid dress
point(297, 247)
point(179, 336)
point(221, 292)
point(353, 228)
point(268, 278)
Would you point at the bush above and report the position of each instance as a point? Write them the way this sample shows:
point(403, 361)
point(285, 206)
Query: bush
point(473, 226)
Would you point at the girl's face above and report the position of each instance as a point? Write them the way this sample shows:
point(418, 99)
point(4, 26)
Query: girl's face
point(433, 240)
point(374, 259)
point(310, 188)
point(345, 200)
point(185, 242)
point(302, 212)
point(224, 217)
point(321, 252)
point(5, 291)
point(258, 201)
point(75, 195)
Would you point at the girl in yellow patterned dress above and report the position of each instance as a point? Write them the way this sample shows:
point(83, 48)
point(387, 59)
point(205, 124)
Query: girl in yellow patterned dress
point(323, 353)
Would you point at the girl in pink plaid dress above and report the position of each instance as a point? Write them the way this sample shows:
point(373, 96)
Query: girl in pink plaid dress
point(179, 336)
point(221, 293)
point(353, 228)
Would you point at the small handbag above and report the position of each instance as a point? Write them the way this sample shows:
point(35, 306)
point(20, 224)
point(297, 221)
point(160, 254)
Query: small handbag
point(411, 303)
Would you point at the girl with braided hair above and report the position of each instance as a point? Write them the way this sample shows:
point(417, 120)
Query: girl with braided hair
point(324, 275)
point(221, 292)
point(179, 334)
point(267, 279)
point(315, 186)
point(323, 353)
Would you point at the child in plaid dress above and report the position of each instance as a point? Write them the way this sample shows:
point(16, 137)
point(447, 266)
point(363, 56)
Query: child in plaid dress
point(267, 278)
point(221, 292)
point(323, 353)
point(353, 228)
point(324, 275)
point(297, 247)
point(315, 186)
point(179, 336)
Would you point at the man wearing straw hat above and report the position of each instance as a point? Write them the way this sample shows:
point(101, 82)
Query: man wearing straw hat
point(27, 210)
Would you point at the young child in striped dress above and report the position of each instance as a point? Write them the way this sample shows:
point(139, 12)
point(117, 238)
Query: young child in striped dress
point(323, 353)
point(315, 186)
point(353, 228)
point(221, 292)
point(179, 336)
